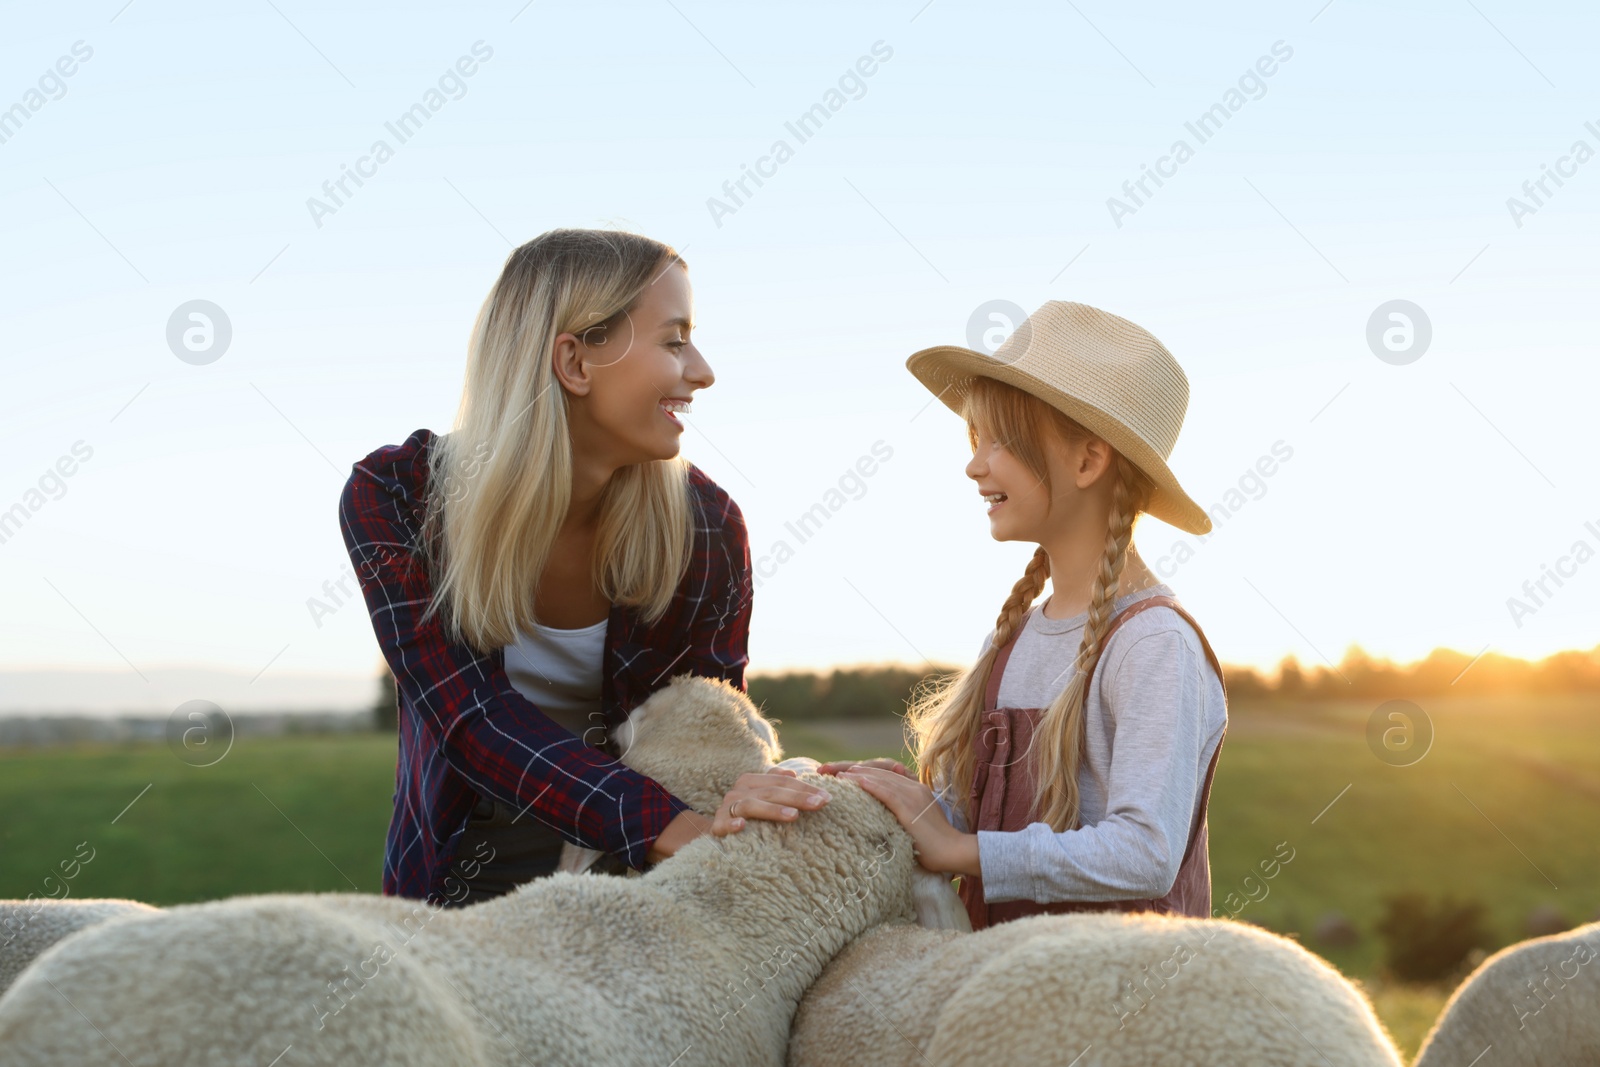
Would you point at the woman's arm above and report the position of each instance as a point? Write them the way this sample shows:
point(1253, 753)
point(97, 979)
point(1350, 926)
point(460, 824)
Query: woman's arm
point(490, 734)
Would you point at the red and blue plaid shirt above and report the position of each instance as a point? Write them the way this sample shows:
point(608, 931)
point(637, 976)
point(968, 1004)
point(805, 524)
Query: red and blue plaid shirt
point(465, 733)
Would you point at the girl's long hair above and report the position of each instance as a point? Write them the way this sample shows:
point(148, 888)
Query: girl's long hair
point(945, 719)
point(501, 481)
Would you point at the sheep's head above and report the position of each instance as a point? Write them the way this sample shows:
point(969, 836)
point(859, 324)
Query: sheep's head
point(696, 736)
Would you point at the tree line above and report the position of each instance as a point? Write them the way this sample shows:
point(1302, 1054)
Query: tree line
point(873, 691)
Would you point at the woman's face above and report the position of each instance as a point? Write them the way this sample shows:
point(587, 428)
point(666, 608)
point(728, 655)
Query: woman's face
point(638, 376)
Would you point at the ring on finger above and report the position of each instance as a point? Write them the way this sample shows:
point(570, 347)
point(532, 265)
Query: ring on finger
point(734, 809)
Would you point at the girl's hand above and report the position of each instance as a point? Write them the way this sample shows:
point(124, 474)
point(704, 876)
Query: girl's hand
point(774, 795)
point(882, 761)
point(938, 846)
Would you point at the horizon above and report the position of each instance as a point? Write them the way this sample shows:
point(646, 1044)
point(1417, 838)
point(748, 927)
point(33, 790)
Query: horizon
point(305, 692)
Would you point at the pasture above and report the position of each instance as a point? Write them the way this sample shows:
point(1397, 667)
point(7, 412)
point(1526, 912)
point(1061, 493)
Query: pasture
point(1503, 809)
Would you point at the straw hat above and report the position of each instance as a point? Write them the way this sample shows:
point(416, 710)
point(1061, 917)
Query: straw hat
point(1107, 373)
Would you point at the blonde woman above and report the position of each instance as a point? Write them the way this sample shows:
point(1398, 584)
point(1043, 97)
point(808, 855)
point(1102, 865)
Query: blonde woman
point(1072, 764)
point(537, 572)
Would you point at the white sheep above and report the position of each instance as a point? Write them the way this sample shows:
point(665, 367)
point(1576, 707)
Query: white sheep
point(1104, 988)
point(1534, 1004)
point(701, 961)
point(28, 927)
point(659, 741)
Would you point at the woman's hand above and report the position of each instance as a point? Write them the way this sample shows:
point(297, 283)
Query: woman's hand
point(937, 845)
point(882, 761)
point(775, 795)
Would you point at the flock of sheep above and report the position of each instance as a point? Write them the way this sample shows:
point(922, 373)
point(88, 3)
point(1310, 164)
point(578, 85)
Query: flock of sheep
point(813, 942)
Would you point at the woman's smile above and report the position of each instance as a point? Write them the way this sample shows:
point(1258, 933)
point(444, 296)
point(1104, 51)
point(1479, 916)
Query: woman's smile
point(672, 407)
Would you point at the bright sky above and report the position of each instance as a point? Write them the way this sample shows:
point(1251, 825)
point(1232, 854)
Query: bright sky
point(975, 162)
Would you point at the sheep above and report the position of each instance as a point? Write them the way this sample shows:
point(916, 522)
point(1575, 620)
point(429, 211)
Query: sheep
point(1534, 1003)
point(703, 960)
point(656, 742)
point(1134, 988)
point(28, 927)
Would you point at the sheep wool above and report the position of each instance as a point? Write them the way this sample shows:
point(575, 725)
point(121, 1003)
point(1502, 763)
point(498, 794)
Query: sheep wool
point(1534, 1004)
point(1097, 988)
point(28, 927)
point(703, 960)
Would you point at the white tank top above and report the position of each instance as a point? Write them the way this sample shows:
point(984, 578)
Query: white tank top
point(559, 670)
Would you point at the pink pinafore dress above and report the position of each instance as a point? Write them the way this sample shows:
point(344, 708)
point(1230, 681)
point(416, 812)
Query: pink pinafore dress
point(1002, 794)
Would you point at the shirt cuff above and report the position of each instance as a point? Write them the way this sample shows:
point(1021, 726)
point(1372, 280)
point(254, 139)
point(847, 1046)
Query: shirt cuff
point(651, 823)
point(1006, 863)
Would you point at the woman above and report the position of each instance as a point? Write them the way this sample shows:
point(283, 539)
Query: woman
point(537, 572)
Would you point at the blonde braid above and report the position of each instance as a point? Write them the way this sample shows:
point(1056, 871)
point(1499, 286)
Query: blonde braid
point(1023, 594)
point(1059, 736)
point(943, 721)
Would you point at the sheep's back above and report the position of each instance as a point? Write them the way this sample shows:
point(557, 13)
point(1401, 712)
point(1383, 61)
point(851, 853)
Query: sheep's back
point(877, 1002)
point(1536, 1003)
point(28, 927)
point(1154, 991)
point(235, 982)
point(628, 972)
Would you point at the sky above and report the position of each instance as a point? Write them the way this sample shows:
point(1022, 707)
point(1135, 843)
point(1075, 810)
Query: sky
point(972, 154)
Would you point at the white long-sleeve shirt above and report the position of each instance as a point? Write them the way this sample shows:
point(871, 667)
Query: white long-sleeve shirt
point(1155, 714)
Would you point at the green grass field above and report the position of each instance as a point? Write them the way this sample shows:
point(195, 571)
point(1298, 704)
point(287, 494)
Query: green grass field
point(1504, 809)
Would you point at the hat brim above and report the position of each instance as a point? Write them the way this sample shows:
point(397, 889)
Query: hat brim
point(946, 369)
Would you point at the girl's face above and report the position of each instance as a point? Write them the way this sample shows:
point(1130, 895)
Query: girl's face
point(629, 383)
point(1015, 498)
point(1018, 502)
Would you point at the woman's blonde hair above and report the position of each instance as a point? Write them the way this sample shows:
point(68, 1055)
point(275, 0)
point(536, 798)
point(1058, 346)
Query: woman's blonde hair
point(501, 481)
point(945, 718)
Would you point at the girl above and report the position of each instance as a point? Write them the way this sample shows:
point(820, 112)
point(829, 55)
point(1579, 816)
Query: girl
point(1070, 767)
point(536, 573)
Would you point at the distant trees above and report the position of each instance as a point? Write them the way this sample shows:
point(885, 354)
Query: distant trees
point(386, 712)
point(875, 691)
point(857, 692)
point(1359, 676)
point(853, 693)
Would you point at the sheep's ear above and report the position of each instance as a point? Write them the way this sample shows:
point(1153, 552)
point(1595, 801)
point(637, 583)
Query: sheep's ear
point(575, 860)
point(763, 729)
point(938, 906)
point(798, 764)
point(623, 735)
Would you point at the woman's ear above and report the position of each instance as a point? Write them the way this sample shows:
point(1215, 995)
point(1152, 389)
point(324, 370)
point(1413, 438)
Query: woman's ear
point(570, 365)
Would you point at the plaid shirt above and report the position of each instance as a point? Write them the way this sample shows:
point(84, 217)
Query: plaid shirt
point(465, 733)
